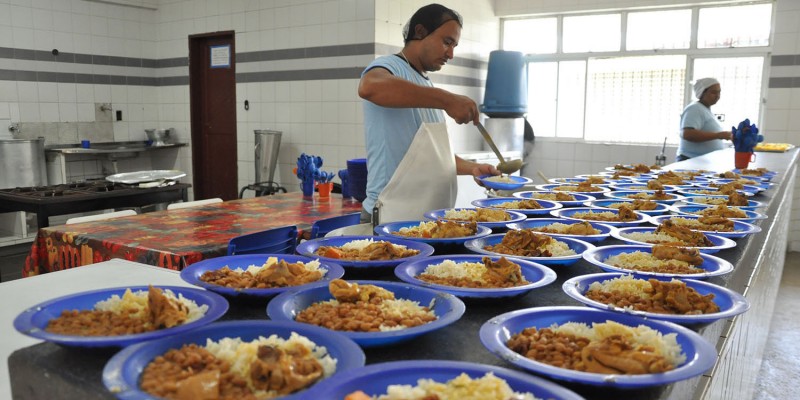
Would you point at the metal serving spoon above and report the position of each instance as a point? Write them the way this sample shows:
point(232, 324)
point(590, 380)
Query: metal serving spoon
point(506, 167)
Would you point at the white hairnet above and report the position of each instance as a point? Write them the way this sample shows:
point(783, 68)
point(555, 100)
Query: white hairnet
point(702, 84)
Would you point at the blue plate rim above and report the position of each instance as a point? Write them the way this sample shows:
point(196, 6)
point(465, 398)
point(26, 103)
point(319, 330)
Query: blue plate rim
point(677, 208)
point(519, 181)
point(741, 304)
point(548, 276)
point(190, 275)
point(620, 194)
point(643, 218)
point(724, 266)
point(727, 242)
point(23, 322)
point(704, 360)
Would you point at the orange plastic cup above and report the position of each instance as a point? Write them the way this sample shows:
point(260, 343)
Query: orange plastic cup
point(743, 159)
point(325, 189)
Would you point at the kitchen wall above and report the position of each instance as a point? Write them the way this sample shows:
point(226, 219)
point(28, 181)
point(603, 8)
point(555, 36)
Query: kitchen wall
point(781, 116)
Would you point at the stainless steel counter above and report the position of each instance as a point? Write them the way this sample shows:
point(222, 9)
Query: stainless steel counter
point(109, 148)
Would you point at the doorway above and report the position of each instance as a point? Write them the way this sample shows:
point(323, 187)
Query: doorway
point(212, 94)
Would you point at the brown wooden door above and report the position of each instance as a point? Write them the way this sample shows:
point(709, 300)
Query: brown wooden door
point(212, 90)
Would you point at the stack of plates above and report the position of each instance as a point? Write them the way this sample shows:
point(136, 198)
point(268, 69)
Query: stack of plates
point(357, 173)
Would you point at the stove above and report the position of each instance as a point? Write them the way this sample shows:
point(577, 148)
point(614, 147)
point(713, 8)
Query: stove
point(84, 196)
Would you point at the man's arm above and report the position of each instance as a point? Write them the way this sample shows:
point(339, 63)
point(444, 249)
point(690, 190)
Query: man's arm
point(696, 135)
point(379, 86)
point(464, 167)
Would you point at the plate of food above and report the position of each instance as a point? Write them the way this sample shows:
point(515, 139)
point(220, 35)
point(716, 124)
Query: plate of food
point(760, 184)
point(622, 216)
point(685, 302)
point(762, 173)
point(364, 252)
point(657, 261)
point(233, 351)
point(529, 245)
point(488, 217)
point(740, 202)
point(647, 207)
point(120, 316)
point(713, 191)
point(591, 232)
point(582, 188)
point(719, 226)
point(669, 352)
point(429, 379)
point(504, 182)
point(566, 199)
point(643, 187)
point(433, 232)
point(476, 276)
point(525, 206)
point(734, 185)
point(733, 213)
point(673, 235)
point(260, 275)
point(406, 311)
point(591, 179)
point(658, 196)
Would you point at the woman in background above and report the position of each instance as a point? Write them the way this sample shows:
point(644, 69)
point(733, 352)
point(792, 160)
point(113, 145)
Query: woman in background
point(700, 131)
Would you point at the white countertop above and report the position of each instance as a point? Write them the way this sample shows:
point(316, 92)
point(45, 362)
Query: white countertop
point(18, 295)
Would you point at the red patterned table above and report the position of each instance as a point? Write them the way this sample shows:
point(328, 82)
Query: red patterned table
point(176, 238)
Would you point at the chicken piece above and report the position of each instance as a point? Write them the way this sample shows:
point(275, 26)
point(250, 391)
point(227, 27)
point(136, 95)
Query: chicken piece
point(721, 224)
point(501, 271)
point(644, 205)
point(729, 175)
point(564, 197)
point(689, 255)
point(595, 180)
point(276, 370)
point(523, 242)
point(737, 199)
point(615, 355)
point(492, 215)
point(452, 229)
point(201, 386)
point(345, 292)
point(529, 204)
point(626, 214)
point(728, 188)
point(282, 273)
point(585, 186)
point(582, 228)
point(660, 195)
point(163, 312)
point(654, 185)
point(685, 235)
point(722, 210)
point(641, 168)
point(384, 251)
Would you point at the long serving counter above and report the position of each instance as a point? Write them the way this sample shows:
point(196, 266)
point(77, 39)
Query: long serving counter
point(758, 261)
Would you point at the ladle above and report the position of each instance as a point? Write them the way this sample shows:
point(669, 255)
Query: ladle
point(506, 167)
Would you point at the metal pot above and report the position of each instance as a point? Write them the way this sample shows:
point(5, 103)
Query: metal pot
point(22, 163)
point(159, 137)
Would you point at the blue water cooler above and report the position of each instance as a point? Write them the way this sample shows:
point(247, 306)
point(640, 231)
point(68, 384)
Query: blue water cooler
point(505, 100)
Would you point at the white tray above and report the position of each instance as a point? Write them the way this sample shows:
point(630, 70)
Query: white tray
point(133, 178)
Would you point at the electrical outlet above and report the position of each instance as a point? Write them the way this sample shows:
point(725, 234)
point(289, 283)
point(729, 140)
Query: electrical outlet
point(119, 115)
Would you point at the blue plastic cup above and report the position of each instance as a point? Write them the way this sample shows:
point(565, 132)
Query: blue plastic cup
point(85, 144)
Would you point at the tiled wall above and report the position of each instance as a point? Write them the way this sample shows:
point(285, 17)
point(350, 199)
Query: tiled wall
point(781, 114)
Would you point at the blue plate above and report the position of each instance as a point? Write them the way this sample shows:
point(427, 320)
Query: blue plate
point(536, 274)
point(628, 167)
point(374, 379)
point(122, 372)
point(639, 187)
point(308, 248)
point(387, 229)
point(740, 229)
point(628, 195)
point(516, 182)
point(605, 203)
point(767, 176)
point(720, 243)
point(495, 333)
point(760, 184)
point(703, 191)
point(568, 213)
point(605, 230)
point(751, 216)
point(192, 273)
point(628, 175)
point(579, 198)
point(583, 177)
point(554, 187)
point(495, 202)
point(447, 308)
point(578, 246)
point(729, 302)
point(706, 201)
point(714, 266)
point(579, 179)
point(34, 320)
point(754, 189)
point(439, 214)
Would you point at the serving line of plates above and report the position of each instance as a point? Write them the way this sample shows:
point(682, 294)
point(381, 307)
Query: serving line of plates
point(578, 202)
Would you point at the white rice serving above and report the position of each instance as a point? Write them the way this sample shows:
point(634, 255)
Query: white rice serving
point(452, 269)
point(363, 243)
point(651, 237)
point(135, 303)
point(462, 387)
point(641, 259)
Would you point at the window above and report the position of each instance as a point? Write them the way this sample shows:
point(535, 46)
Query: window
point(539, 36)
point(592, 33)
point(659, 30)
point(602, 87)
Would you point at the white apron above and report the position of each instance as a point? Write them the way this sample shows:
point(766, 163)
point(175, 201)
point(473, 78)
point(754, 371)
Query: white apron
point(425, 180)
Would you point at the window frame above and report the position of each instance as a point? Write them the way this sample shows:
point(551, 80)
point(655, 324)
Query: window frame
point(691, 53)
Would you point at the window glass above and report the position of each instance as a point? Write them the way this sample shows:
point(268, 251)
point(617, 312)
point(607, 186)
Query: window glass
point(635, 99)
point(571, 96)
point(740, 80)
point(592, 33)
point(659, 30)
point(542, 90)
point(531, 36)
point(741, 26)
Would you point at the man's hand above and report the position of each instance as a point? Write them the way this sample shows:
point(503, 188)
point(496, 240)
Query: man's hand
point(482, 170)
point(462, 109)
point(725, 135)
